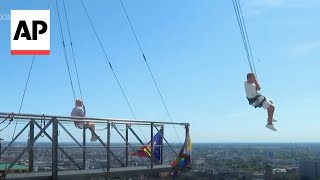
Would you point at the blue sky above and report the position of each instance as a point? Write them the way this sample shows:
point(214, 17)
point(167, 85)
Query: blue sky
point(197, 56)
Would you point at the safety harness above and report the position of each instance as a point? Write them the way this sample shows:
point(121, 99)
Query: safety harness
point(255, 101)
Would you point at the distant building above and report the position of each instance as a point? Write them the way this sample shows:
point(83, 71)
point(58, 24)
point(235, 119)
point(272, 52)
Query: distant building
point(309, 169)
point(269, 155)
point(199, 162)
point(268, 172)
point(279, 171)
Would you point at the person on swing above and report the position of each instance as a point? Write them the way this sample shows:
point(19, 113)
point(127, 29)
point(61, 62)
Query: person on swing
point(252, 88)
point(79, 111)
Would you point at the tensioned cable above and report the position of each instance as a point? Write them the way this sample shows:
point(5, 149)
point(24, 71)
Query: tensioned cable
point(64, 50)
point(74, 59)
point(26, 85)
point(110, 65)
point(247, 37)
point(244, 34)
point(3, 175)
point(236, 9)
point(72, 50)
point(148, 66)
point(10, 120)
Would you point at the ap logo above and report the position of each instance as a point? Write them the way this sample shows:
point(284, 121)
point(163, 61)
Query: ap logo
point(30, 32)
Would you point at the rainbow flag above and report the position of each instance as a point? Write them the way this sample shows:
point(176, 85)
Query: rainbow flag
point(145, 150)
point(183, 160)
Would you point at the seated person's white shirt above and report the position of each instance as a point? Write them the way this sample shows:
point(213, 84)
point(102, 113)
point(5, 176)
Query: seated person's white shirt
point(78, 112)
point(251, 90)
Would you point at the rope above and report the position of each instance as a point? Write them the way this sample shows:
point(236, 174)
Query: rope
point(109, 62)
point(244, 34)
point(5, 119)
point(148, 66)
point(72, 50)
point(247, 37)
point(64, 50)
point(235, 6)
point(3, 175)
point(10, 120)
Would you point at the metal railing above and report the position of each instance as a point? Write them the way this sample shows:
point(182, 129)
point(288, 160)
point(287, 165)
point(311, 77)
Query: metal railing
point(56, 122)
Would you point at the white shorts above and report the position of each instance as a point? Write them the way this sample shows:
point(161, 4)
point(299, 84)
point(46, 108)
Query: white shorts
point(82, 125)
point(265, 104)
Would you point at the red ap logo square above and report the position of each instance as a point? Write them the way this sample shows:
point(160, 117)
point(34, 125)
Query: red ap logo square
point(30, 32)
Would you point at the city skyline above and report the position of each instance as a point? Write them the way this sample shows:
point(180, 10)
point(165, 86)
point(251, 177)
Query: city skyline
point(210, 161)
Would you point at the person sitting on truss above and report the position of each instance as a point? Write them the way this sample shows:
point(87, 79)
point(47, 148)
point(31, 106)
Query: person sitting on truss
point(252, 88)
point(79, 111)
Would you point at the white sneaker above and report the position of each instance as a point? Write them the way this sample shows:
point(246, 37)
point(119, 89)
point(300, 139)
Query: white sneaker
point(93, 139)
point(273, 120)
point(271, 127)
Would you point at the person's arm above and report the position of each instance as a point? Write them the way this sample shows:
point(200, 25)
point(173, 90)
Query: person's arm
point(84, 110)
point(258, 88)
point(80, 113)
point(83, 113)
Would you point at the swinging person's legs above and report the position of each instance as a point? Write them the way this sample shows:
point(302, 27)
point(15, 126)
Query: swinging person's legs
point(270, 111)
point(93, 134)
point(268, 105)
point(91, 127)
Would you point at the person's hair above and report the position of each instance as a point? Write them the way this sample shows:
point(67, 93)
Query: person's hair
point(78, 100)
point(249, 75)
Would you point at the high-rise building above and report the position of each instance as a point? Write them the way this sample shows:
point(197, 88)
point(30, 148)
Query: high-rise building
point(269, 154)
point(309, 169)
point(268, 172)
